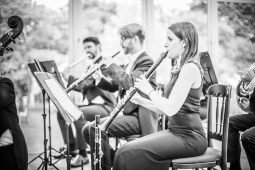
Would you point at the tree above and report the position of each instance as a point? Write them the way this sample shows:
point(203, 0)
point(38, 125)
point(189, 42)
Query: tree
point(236, 30)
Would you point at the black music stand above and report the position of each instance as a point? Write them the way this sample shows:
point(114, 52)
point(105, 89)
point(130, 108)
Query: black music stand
point(68, 110)
point(209, 79)
point(33, 68)
point(44, 67)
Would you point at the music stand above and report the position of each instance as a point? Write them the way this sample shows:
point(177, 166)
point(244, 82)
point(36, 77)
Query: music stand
point(51, 67)
point(43, 66)
point(35, 67)
point(209, 79)
point(68, 110)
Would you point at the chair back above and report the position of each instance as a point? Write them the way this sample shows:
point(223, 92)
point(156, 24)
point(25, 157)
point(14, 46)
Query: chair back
point(218, 116)
point(162, 118)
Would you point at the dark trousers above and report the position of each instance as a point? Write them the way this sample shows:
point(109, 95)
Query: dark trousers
point(89, 112)
point(241, 123)
point(7, 158)
point(122, 126)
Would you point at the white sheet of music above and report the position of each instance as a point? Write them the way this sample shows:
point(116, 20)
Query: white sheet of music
point(63, 99)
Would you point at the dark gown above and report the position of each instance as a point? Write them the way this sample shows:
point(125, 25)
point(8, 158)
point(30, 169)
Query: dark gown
point(184, 137)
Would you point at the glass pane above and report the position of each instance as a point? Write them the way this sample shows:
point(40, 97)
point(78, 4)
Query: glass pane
point(167, 13)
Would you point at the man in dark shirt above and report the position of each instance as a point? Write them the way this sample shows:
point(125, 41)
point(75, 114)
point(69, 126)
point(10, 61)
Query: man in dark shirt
point(244, 123)
point(136, 120)
point(100, 102)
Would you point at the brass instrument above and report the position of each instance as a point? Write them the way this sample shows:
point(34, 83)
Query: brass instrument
point(88, 73)
point(104, 127)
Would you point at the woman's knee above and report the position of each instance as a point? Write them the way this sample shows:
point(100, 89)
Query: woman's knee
point(247, 138)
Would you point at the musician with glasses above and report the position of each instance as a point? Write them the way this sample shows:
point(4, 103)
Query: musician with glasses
point(135, 119)
point(185, 135)
point(244, 123)
point(100, 102)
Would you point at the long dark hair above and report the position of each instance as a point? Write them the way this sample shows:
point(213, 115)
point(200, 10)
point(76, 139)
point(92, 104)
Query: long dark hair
point(187, 32)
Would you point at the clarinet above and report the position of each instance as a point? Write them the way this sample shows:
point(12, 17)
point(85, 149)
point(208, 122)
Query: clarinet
point(98, 152)
point(104, 127)
point(86, 75)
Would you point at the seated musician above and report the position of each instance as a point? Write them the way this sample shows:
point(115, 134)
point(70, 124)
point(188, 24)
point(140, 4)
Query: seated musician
point(135, 119)
point(185, 136)
point(13, 148)
point(243, 123)
point(100, 102)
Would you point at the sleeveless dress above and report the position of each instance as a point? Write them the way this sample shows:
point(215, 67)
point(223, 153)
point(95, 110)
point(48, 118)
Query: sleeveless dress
point(184, 137)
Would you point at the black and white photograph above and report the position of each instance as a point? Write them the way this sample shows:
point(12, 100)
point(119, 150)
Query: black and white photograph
point(127, 84)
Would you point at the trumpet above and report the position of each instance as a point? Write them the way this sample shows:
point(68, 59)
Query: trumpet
point(88, 73)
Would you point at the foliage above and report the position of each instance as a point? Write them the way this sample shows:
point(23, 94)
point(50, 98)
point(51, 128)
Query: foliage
point(39, 32)
point(236, 31)
point(45, 30)
point(96, 15)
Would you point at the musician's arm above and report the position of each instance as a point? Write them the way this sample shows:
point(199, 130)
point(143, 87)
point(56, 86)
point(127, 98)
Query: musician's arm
point(139, 100)
point(188, 76)
point(252, 102)
point(7, 94)
point(110, 86)
point(125, 80)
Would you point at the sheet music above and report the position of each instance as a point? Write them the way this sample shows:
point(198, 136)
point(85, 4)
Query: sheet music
point(63, 99)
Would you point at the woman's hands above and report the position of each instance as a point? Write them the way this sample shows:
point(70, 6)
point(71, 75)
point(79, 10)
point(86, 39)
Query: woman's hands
point(143, 85)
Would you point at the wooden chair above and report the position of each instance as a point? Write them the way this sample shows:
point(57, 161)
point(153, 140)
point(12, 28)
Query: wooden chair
point(217, 94)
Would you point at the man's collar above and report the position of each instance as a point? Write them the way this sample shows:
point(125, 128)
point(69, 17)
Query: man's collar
point(136, 55)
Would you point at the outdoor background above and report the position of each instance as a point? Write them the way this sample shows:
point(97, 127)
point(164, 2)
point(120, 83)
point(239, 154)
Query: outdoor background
point(45, 36)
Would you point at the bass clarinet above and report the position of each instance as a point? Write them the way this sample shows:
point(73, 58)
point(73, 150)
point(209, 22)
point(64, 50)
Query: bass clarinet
point(104, 127)
point(98, 151)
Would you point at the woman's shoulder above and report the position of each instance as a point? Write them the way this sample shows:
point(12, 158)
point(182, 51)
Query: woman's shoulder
point(191, 66)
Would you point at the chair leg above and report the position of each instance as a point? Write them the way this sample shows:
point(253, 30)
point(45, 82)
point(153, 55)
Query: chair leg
point(116, 143)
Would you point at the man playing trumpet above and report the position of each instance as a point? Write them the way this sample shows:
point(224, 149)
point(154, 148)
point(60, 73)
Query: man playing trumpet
point(243, 123)
point(100, 102)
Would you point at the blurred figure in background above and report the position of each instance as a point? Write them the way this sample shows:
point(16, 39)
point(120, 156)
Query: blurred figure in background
point(244, 123)
point(100, 102)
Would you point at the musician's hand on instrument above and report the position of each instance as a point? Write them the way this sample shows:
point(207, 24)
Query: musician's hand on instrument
point(244, 103)
point(97, 75)
point(138, 99)
point(251, 86)
point(143, 85)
